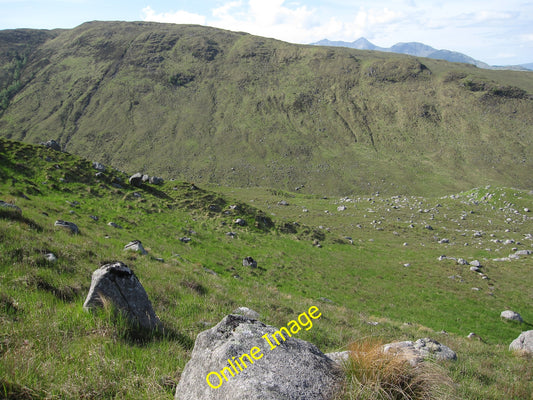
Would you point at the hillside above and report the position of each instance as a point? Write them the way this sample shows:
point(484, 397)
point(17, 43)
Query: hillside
point(372, 265)
point(220, 107)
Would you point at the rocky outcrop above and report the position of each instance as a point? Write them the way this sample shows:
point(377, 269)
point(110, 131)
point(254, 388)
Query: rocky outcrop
point(118, 284)
point(235, 350)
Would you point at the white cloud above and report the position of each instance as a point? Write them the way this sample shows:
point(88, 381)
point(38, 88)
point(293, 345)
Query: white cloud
point(178, 17)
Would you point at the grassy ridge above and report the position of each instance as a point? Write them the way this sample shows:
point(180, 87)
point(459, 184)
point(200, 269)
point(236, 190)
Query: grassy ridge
point(49, 347)
point(207, 105)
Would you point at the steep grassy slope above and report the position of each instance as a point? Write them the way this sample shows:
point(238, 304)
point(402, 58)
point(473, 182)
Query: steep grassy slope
point(214, 106)
point(51, 348)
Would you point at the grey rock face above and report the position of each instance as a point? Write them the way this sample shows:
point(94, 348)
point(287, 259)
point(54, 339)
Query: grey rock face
point(511, 315)
point(523, 343)
point(155, 180)
point(293, 370)
point(68, 225)
point(119, 285)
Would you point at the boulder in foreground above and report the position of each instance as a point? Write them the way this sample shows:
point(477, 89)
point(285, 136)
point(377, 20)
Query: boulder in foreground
point(294, 369)
point(118, 284)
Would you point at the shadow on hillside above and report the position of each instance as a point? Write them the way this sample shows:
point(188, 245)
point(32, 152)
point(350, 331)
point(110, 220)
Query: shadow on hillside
point(141, 337)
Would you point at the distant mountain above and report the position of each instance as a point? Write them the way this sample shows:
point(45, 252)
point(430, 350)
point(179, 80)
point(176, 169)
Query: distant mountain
point(420, 50)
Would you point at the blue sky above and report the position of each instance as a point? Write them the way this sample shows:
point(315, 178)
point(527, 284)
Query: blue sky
point(496, 32)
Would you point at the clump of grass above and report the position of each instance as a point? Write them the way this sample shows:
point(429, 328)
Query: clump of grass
point(372, 374)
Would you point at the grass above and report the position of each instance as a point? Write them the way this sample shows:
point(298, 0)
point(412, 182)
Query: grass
point(51, 348)
point(373, 374)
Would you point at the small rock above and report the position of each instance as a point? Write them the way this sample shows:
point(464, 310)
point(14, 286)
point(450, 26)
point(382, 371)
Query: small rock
point(249, 262)
point(94, 217)
point(68, 225)
point(155, 180)
point(523, 253)
point(341, 208)
point(283, 203)
point(136, 246)
point(185, 239)
point(240, 222)
point(474, 269)
point(114, 225)
point(475, 263)
point(462, 261)
point(231, 234)
point(52, 144)
point(339, 357)
point(99, 167)
point(51, 258)
point(136, 179)
point(511, 316)
point(443, 241)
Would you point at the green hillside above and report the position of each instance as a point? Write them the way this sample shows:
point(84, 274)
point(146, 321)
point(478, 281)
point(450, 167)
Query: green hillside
point(372, 268)
point(219, 107)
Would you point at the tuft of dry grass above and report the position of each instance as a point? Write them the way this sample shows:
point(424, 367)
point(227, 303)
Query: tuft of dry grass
point(372, 374)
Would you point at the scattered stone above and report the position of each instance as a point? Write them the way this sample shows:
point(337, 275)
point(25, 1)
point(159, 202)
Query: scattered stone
point(51, 258)
point(416, 352)
point(473, 336)
point(155, 180)
point(444, 241)
point(462, 261)
point(136, 246)
point(474, 269)
point(240, 222)
point(523, 343)
point(185, 239)
point(52, 144)
point(476, 263)
point(294, 369)
point(428, 227)
point(478, 234)
point(341, 208)
point(511, 316)
point(523, 253)
point(246, 312)
point(231, 234)
point(68, 225)
point(94, 217)
point(249, 262)
point(283, 203)
point(114, 225)
point(441, 258)
point(136, 179)
point(118, 284)
point(99, 167)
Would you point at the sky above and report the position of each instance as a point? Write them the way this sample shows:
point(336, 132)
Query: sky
point(496, 32)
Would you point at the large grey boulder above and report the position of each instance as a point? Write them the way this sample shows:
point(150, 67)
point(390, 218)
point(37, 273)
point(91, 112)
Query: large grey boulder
point(523, 343)
point(118, 284)
point(293, 370)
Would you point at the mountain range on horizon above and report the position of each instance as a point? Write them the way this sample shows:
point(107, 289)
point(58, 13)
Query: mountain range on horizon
point(418, 49)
